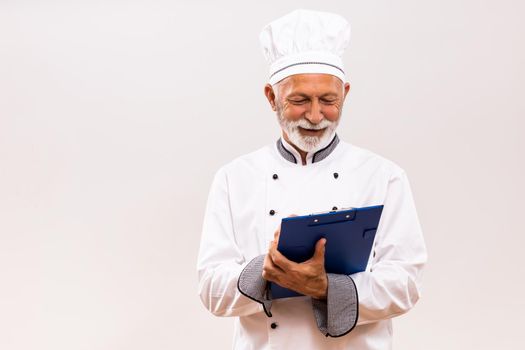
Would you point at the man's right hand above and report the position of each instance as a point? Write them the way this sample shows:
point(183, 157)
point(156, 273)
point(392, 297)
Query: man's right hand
point(308, 278)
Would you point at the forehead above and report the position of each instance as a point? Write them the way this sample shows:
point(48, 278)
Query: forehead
point(311, 84)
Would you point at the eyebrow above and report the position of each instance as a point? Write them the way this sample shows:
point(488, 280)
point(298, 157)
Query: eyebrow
point(300, 94)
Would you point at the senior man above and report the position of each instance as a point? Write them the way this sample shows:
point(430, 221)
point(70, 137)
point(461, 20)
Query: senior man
point(309, 169)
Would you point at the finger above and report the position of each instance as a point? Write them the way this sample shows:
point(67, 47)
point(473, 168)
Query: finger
point(320, 248)
point(274, 245)
point(280, 260)
point(271, 263)
point(270, 245)
point(277, 233)
point(272, 251)
point(267, 270)
point(270, 271)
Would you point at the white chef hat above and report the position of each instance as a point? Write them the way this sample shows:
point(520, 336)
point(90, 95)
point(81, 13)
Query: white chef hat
point(305, 41)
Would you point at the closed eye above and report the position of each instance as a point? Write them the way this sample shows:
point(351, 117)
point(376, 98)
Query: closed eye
point(298, 102)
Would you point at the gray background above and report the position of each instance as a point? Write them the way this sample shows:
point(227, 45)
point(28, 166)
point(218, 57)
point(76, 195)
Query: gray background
point(114, 116)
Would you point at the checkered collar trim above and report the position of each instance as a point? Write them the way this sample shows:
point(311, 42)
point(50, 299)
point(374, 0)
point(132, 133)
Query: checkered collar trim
point(317, 156)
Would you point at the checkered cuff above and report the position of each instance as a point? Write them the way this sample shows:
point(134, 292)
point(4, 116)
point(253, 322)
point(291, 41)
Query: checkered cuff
point(252, 285)
point(337, 315)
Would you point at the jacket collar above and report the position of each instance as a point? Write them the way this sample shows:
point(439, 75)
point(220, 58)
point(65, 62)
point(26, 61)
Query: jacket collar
point(289, 153)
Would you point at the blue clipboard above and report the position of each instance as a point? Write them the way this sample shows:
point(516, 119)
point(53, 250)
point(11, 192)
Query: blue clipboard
point(349, 234)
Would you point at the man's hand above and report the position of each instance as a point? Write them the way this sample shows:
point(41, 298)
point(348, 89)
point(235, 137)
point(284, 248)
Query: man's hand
point(308, 278)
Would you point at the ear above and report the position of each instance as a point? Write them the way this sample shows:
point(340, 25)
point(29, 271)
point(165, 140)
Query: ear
point(347, 89)
point(270, 95)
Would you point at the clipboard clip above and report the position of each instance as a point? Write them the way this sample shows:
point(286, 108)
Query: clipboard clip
point(331, 217)
point(332, 211)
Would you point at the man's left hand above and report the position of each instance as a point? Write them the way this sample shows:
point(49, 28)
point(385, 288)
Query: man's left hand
point(308, 278)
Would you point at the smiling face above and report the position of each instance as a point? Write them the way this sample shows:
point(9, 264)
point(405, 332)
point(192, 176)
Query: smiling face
point(308, 107)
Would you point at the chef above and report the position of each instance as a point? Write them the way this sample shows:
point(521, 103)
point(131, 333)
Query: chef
point(308, 169)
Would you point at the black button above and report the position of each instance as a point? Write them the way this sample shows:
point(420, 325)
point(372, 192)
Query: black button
point(272, 212)
point(273, 325)
point(336, 175)
point(334, 208)
point(275, 176)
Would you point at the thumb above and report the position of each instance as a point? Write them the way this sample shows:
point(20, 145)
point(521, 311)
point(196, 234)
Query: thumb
point(320, 249)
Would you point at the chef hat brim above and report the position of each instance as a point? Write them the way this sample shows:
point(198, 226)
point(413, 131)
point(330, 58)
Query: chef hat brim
point(307, 68)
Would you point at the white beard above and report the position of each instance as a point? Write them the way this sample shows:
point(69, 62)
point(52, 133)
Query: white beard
point(307, 143)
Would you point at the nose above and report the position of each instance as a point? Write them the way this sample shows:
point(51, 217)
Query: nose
point(314, 114)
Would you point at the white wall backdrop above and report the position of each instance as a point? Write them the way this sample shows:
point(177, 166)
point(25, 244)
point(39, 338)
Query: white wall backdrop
point(114, 116)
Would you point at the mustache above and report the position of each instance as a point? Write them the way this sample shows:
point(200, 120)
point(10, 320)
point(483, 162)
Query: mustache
point(305, 124)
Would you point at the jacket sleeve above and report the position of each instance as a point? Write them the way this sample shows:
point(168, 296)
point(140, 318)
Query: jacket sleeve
point(220, 261)
point(392, 284)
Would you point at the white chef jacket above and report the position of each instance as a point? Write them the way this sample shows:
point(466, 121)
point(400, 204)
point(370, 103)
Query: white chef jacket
point(247, 200)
